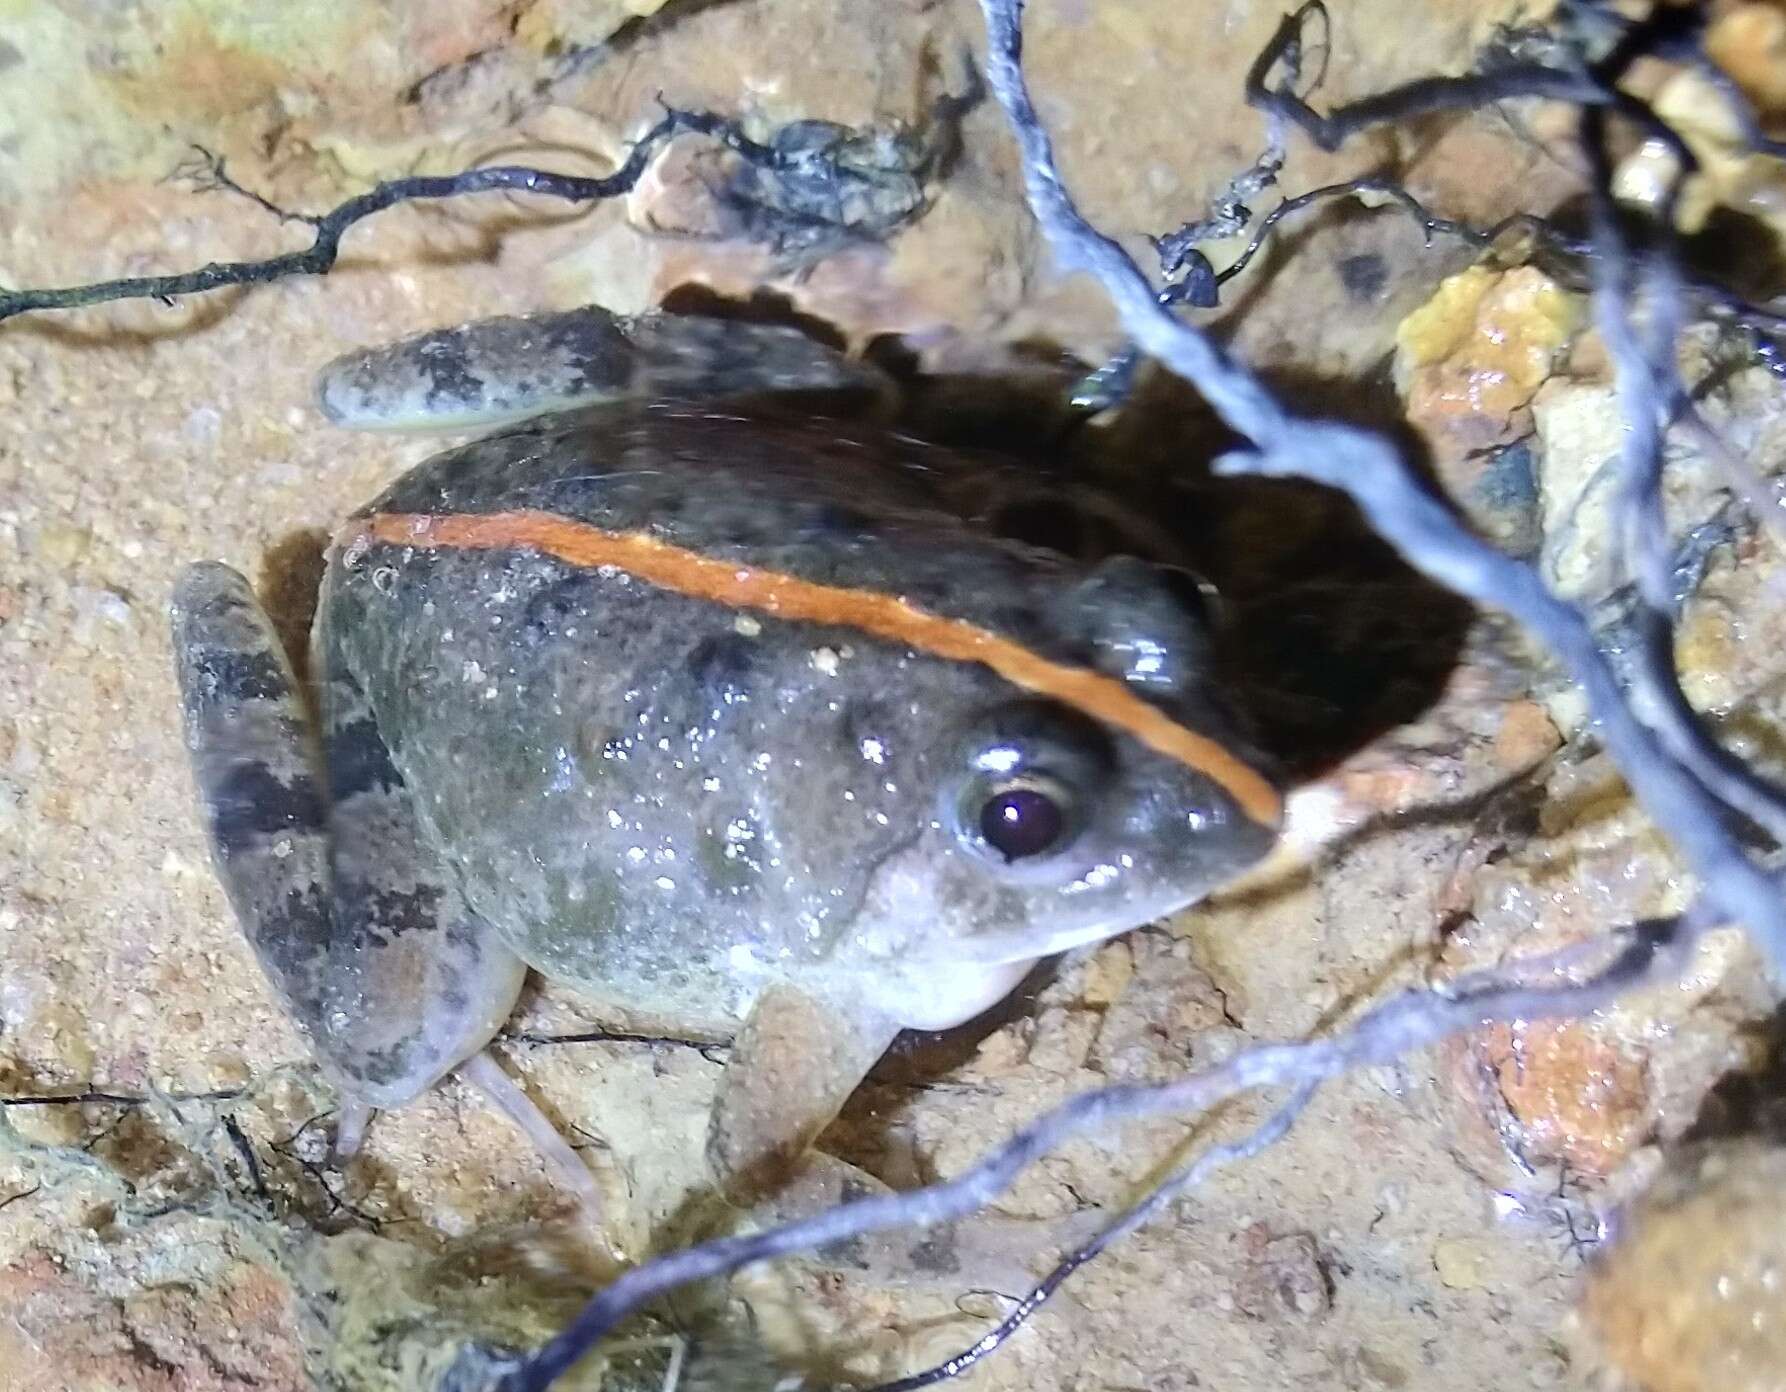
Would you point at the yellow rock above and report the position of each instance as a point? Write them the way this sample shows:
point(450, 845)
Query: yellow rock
point(1477, 351)
point(547, 24)
point(1462, 1262)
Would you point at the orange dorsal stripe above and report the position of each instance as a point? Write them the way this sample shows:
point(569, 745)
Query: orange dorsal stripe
point(885, 616)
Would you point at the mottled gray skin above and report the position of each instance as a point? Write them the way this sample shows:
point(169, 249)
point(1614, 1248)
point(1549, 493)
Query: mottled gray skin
point(508, 369)
point(729, 823)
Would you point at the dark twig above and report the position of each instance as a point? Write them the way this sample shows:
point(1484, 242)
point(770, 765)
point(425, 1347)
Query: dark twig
point(320, 256)
point(12, 1199)
point(245, 1148)
point(711, 1051)
point(1581, 85)
point(1431, 224)
point(337, 1203)
point(1417, 98)
point(205, 171)
point(115, 1099)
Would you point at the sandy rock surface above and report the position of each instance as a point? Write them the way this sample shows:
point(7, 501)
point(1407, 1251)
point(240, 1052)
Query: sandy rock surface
point(168, 1217)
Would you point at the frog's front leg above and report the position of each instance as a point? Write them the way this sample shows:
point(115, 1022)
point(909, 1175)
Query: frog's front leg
point(494, 371)
point(793, 1066)
point(366, 940)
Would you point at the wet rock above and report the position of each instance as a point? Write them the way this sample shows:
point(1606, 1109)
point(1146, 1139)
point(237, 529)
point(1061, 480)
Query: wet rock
point(1730, 175)
point(1691, 1297)
point(1479, 349)
point(1566, 1094)
point(1568, 861)
point(1468, 363)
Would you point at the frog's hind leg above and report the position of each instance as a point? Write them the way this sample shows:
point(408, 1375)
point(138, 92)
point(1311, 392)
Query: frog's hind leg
point(430, 983)
point(255, 761)
point(495, 371)
point(417, 982)
point(367, 942)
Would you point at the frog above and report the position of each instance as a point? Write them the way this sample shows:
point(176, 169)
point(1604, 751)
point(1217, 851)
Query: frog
point(704, 705)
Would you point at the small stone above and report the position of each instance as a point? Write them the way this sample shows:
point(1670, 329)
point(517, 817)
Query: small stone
point(1463, 1263)
point(1063, 1039)
point(1107, 974)
point(1283, 1277)
point(1692, 1296)
point(1003, 1052)
point(63, 546)
point(1377, 1370)
point(1525, 736)
point(1580, 433)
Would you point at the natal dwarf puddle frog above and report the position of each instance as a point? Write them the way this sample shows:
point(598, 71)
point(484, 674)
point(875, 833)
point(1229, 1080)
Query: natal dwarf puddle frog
point(741, 720)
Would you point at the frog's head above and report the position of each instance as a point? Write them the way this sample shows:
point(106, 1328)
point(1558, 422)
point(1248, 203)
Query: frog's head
point(1077, 809)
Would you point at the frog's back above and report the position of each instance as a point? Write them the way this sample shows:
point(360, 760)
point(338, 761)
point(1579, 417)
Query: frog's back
point(659, 793)
point(832, 504)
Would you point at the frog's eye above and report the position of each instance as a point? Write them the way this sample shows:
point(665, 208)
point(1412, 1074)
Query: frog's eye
point(1025, 817)
point(1029, 776)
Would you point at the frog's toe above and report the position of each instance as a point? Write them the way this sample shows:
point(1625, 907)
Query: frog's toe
point(564, 1164)
point(351, 1120)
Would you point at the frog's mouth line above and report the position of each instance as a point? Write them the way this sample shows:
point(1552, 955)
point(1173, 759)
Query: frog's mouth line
point(789, 597)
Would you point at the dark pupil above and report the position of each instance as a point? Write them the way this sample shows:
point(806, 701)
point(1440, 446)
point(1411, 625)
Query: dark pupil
point(1020, 822)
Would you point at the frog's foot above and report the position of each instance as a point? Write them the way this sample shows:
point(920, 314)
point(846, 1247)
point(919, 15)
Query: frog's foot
point(793, 1066)
point(367, 942)
point(564, 1164)
point(351, 1120)
point(495, 371)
